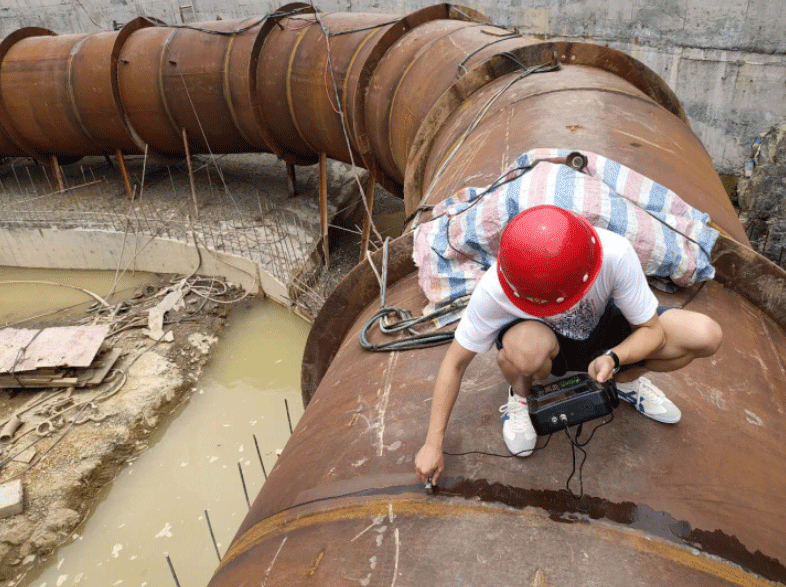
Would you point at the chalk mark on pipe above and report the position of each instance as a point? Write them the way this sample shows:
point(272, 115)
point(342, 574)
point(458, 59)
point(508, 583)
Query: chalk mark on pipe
point(395, 565)
point(375, 522)
point(270, 568)
point(382, 406)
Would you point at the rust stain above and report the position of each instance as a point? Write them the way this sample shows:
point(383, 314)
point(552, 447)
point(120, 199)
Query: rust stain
point(316, 564)
point(540, 580)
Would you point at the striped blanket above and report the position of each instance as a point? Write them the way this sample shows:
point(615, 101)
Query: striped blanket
point(453, 250)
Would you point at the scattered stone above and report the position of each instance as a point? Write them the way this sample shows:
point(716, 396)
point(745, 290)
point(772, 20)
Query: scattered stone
point(27, 456)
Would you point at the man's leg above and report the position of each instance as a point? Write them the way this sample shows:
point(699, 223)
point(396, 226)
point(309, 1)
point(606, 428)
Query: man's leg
point(689, 336)
point(528, 349)
point(526, 353)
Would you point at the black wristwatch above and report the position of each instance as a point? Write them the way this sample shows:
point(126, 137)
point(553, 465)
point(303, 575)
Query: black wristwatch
point(614, 356)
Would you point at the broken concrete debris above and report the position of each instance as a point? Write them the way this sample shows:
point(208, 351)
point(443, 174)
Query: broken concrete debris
point(11, 498)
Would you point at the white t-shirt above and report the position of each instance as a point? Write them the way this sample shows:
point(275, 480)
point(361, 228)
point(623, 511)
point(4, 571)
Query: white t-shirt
point(620, 277)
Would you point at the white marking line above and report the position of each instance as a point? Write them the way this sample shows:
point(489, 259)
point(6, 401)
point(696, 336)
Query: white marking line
point(376, 521)
point(395, 566)
point(270, 568)
point(383, 404)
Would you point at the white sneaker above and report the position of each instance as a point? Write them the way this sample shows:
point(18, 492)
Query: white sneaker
point(517, 430)
point(649, 400)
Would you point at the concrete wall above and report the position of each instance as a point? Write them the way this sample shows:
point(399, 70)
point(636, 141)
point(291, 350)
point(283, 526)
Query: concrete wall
point(724, 58)
point(106, 251)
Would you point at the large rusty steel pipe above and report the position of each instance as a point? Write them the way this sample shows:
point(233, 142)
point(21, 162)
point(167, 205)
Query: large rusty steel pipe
point(430, 103)
point(342, 502)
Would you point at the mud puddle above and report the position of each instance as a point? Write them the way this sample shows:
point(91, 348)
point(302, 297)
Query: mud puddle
point(29, 294)
point(156, 504)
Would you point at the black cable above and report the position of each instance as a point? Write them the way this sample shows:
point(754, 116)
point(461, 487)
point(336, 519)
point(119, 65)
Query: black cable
point(586, 442)
point(575, 445)
point(416, 340)
point(360, 30)
point(239, 31)
point(493, 454)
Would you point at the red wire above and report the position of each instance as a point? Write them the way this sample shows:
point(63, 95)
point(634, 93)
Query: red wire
point(327, 89)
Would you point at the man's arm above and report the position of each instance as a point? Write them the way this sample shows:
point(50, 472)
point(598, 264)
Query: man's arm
point(646, 339)
point(429, 460)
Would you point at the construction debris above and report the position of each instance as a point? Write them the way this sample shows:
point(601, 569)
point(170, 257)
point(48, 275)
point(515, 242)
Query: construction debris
point(11, 498)
point(68, 356)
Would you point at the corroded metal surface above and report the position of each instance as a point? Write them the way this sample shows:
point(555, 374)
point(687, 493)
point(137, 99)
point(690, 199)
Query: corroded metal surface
point(95, 96)
point(139, 71)
point(8, 108)
point(411, 540)
point(368, 417)
point(585, 105)
point(194, 82)
point(346, 301)
point(580, 108)
point(38, 95)
point(271, 84)
point(315, 84)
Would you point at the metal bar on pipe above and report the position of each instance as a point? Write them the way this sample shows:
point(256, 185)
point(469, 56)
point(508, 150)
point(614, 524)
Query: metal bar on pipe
point(323, 207)
point(291, 180)
point(367, 219)
point(124, 172)
point(56, 172)
point(190, 173)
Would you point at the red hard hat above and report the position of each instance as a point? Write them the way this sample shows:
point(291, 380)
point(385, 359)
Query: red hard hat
point(548, 259)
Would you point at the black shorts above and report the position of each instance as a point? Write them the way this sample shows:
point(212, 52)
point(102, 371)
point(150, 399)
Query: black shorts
point(576, 355)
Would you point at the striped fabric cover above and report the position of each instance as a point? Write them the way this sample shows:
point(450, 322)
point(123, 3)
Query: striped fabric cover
point(454, 250)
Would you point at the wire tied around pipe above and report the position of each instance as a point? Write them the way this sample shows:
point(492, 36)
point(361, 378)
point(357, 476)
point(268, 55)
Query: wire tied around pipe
point(405, 321)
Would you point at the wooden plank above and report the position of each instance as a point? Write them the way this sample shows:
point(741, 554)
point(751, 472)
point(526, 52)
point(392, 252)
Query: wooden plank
point(98, 371)
point(66, 346)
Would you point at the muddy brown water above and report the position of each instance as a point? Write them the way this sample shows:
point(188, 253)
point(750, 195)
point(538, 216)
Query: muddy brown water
point(156, 504)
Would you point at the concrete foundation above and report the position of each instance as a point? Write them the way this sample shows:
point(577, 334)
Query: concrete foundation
point(724, 60)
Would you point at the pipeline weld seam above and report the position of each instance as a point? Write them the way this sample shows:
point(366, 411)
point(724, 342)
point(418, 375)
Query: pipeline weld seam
point(432, 508)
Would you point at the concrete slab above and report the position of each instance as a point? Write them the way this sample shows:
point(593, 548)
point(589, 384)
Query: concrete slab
point(11, 498)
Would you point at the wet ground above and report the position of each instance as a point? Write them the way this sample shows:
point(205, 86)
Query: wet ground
point(157, 503)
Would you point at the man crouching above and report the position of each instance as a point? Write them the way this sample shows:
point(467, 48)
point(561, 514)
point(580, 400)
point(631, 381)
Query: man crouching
point(565, 296)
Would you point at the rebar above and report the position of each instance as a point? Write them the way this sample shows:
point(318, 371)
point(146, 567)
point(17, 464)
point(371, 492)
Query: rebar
point(212, 536)
point(259, 454)
point(243, 483)
point(172, 570)
point(289, 419)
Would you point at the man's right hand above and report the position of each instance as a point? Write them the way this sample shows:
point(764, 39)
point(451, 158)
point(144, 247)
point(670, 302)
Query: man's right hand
point(429, 462)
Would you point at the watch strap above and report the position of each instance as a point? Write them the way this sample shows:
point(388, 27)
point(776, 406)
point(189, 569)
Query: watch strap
point(614, 356)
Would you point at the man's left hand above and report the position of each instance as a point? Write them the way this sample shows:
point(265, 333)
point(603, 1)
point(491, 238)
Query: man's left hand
point(601, 369)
